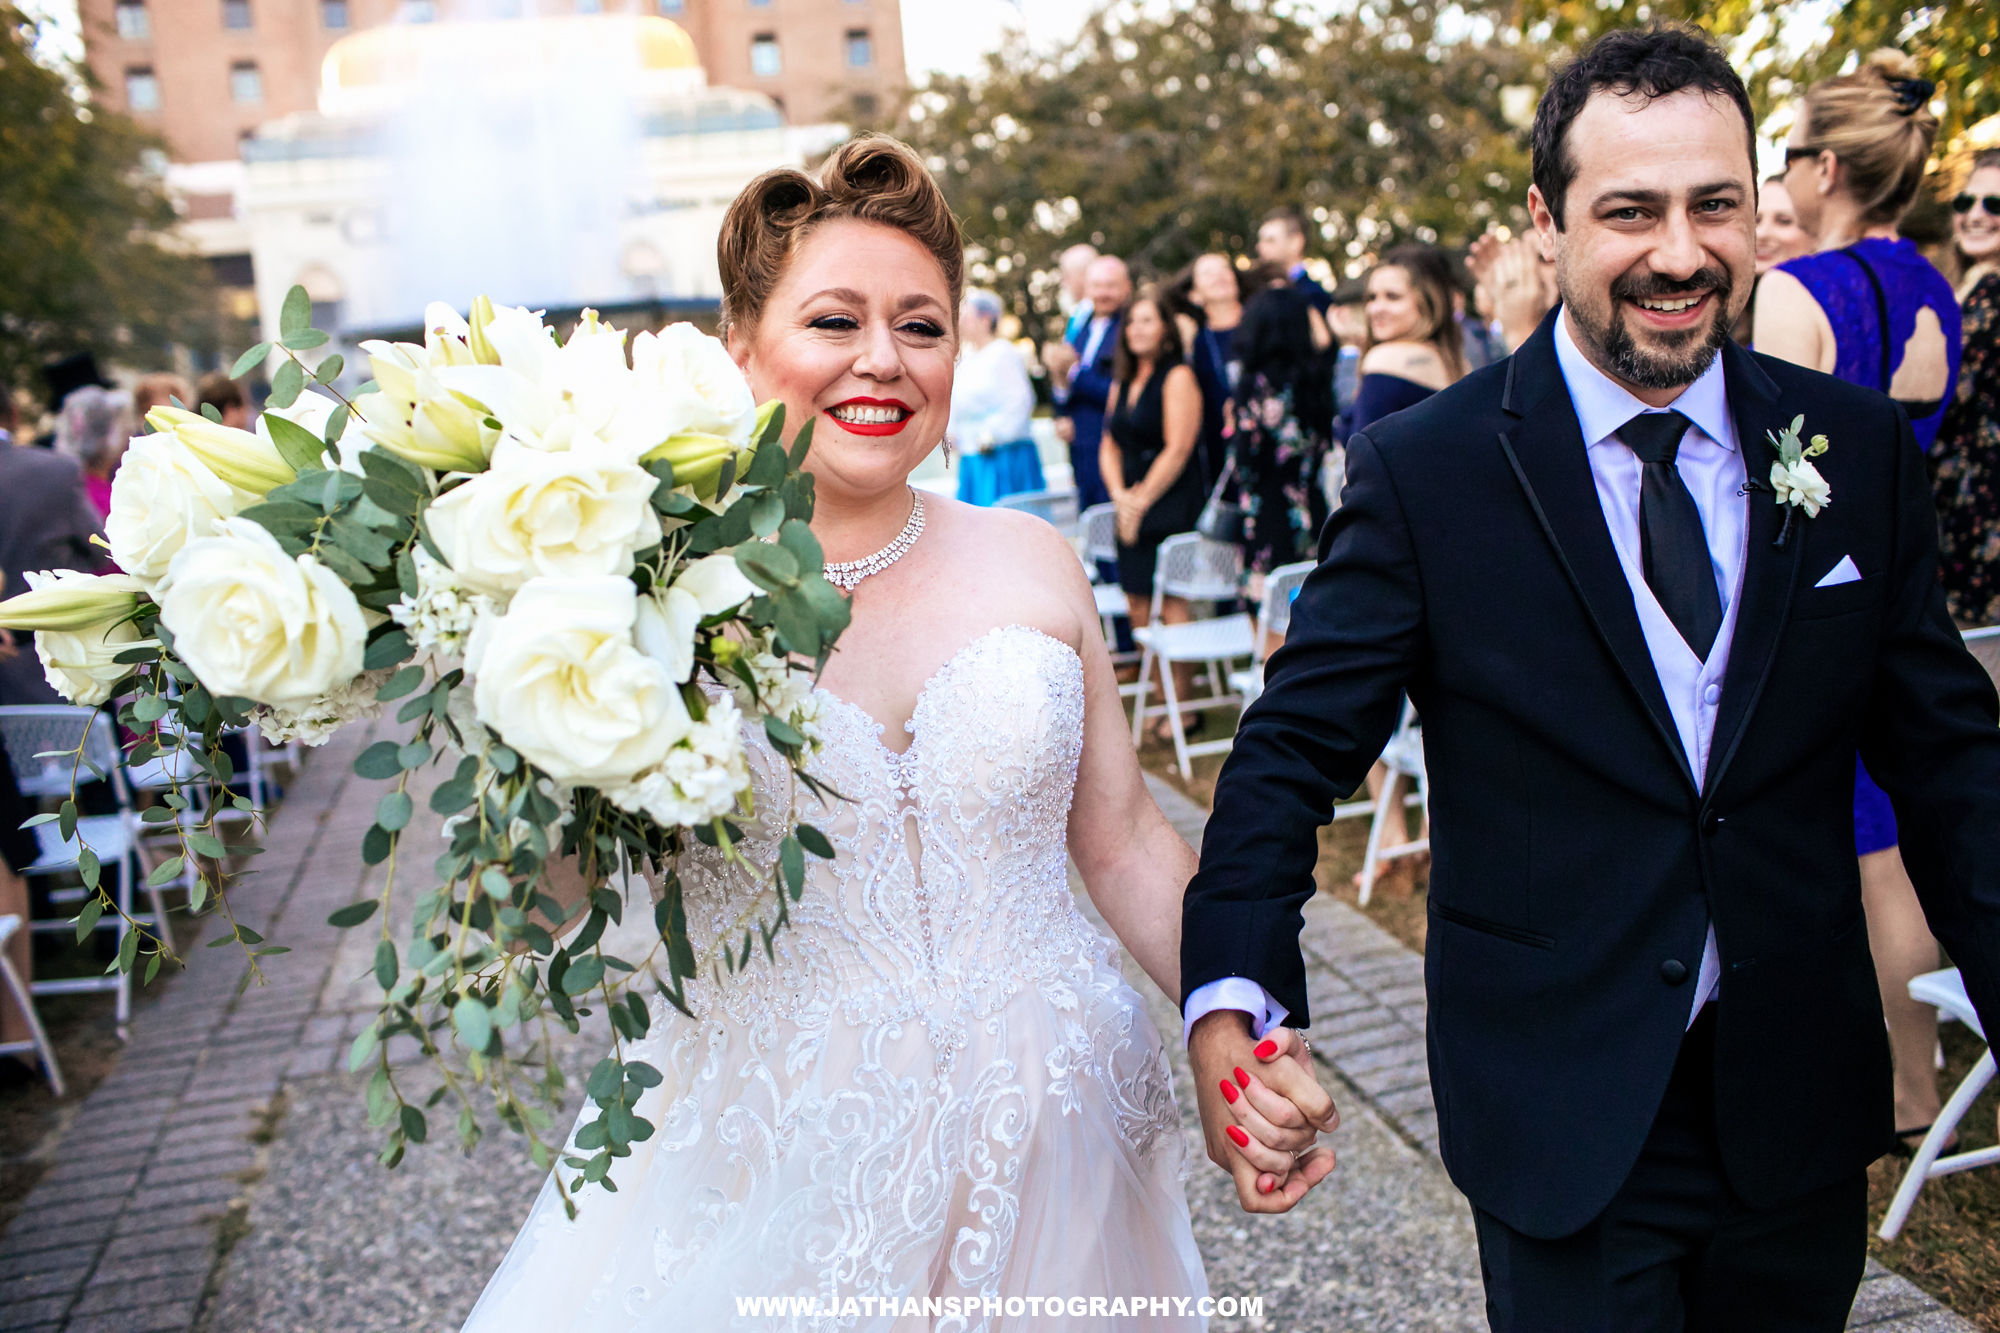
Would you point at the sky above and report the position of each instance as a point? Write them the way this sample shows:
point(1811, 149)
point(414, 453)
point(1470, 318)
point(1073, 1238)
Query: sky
point(953, 36)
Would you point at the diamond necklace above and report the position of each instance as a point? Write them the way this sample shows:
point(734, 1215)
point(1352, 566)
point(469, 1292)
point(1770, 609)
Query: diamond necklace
point(845, 574)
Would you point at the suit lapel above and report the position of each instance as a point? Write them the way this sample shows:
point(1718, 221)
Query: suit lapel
point(1546, 449)
point(1769, 575)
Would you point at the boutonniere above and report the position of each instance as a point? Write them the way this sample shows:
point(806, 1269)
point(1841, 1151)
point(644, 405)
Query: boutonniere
point(1795, 482)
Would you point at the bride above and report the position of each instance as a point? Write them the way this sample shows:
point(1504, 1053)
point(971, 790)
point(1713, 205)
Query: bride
point(943, 1087)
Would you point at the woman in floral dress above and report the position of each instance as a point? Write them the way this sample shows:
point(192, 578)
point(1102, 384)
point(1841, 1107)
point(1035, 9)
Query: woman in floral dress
point(1966, 457)
point(1280, 425)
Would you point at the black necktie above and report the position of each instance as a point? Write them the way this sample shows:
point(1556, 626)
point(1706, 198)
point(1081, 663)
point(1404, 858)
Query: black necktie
point(1674, 547)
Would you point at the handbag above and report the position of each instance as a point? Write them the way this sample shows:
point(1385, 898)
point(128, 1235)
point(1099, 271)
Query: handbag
point(1222, 520)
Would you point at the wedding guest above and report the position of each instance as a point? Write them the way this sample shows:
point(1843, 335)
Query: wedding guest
point(1281, 240)
point(991, 403)
point(161, 389)
point(18, 849)
point(225, 395)
point(1965, 459)
point(46, 522)
point(1869, 308)
point(1214, 288)
point(1779, 238)
point(64, 376)
point(1080, 373)
point(1071, 266)
point(1148, 459)
point(1413, 346)
point(1347, 321)
point(94, 427)
point(1280, 423)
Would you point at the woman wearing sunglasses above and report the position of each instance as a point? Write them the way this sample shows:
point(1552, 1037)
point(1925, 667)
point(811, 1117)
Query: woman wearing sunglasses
point(1870, 309)
point(1966, 457)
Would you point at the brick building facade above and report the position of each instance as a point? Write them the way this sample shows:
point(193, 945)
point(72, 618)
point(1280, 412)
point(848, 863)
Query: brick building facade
point(206, 73)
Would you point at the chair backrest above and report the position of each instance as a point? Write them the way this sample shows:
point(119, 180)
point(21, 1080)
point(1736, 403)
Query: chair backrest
point(41, 728)
point(1281, 585)
point(1100, 532)
point(1058, 507)
point(1985, 645)
point(1193, 567)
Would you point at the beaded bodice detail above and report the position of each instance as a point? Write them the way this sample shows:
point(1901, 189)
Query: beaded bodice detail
point(949, 889)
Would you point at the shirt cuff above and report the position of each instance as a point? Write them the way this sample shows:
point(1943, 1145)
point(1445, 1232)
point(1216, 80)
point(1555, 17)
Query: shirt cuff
point(1234, 993)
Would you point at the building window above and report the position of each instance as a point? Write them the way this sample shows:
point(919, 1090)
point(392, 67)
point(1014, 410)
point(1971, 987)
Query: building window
point(235, 13)
point(760, 4)
point(142, 90)
point(134, 24)
point(246, 84)
point(765, 62)
point(417, 11)
point(590, 6)
point(860, 51)
point(333, 13)
point(673, 8)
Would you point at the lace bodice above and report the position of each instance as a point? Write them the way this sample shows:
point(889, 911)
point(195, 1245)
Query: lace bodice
point(949, 888)
point(939, 1086)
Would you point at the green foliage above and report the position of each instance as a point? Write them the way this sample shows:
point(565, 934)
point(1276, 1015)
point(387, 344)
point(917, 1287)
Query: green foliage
point(83, 211)
point(1161, 134)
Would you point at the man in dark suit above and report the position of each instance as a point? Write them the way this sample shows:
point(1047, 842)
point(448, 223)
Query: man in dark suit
point(1080, 370)
point(1656, 1043)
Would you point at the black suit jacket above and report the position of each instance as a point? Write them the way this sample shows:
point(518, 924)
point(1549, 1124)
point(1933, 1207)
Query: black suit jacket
point(1573, 854)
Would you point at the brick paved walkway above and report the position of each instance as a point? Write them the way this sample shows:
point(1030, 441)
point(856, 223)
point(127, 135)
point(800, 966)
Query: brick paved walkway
point(186, 1148)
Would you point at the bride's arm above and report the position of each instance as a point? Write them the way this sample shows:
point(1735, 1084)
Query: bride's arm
point(1134, 864)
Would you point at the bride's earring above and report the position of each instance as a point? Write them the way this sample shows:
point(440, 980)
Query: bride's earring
point(945, 444)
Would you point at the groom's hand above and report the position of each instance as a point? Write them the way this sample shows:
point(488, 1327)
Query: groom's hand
point(1277, 1110)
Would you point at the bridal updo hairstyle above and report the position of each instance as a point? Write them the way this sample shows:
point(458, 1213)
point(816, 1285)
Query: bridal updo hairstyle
point(1878, 122)
point(872, 178)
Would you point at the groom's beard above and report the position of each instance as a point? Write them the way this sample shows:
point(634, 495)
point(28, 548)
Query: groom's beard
point(1675, 358)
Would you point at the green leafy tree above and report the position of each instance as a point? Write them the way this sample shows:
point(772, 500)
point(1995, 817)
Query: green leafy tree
point(1158, 136)
point(82, 223)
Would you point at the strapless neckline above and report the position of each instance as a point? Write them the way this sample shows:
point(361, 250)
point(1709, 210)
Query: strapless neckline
point(875, 729)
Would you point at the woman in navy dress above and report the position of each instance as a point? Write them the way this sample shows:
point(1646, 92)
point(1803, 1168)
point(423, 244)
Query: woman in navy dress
point(1870, 309)
point(1413, 347)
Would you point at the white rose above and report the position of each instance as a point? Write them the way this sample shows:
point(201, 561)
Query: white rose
point(717, 583)
point(559, 679)
point(77, 661)
point(162, 497)
point(251, 621)
point(716, 397)
point(563, 515)
point(1801, 485)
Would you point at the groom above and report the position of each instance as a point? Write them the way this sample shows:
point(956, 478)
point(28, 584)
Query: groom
point(1656, 1043)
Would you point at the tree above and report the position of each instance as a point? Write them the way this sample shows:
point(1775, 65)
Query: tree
point(82, 222)
point(1157, 136)
point(1955, 44)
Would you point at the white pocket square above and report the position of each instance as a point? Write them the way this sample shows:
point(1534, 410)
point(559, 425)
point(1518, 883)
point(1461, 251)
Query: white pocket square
point(1844, 572)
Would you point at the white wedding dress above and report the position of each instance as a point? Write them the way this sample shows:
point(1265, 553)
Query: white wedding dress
point(943, 1088)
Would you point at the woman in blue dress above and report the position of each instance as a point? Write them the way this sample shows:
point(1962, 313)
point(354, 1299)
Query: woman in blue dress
point(1870, 309)
point(1413, 347)
point(991, 403)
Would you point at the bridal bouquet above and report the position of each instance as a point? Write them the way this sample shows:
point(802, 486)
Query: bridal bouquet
point(572, 572)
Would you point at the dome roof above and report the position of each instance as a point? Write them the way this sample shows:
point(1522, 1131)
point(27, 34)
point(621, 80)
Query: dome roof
point(379, 65)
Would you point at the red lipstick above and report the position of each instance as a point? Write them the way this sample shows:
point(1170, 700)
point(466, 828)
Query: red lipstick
point(873, 427)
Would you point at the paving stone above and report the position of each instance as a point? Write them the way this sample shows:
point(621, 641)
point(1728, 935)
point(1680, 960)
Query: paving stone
point(55, 1209)
point(48, 1282)
point(170, 1263)
point(160, 1242)
point(168, 1220)
point(35, 1240)
point(90, 1166)
point(25, 1314)
point(148, 1319)
point(122, 1294)
point(222, 1166)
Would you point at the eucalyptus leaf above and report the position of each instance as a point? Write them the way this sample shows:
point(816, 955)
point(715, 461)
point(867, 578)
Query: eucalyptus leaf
point(287, 384)
point(295, 316)
point(249, 361)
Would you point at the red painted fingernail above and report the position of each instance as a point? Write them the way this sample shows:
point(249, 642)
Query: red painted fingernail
point(1229, 1092)
point(1266, 1188)
point(1242, 1079)
point(1238, 1137)
point(1265, 1050)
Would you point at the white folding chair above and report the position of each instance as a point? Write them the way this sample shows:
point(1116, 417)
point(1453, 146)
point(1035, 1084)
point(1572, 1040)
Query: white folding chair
point(1274, 616)
point(1195, 569)
point(1056, 506)
point(1404, 758)
point(1946, 990)
point(1098, 527)
point(38, 1037)
point(114, 838)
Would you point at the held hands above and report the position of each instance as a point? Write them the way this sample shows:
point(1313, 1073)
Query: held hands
point(1060, 358)
point(1262, 1110)
point(1066, 430)
point(1132, 507)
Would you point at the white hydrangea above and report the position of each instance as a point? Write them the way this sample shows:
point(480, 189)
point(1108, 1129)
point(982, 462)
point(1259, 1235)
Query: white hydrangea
point(441, 616)
point(314, 723)
point(699, 779)
point(785, 693)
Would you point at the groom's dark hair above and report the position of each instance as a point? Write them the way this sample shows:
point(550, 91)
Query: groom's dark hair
point(1652, 62)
